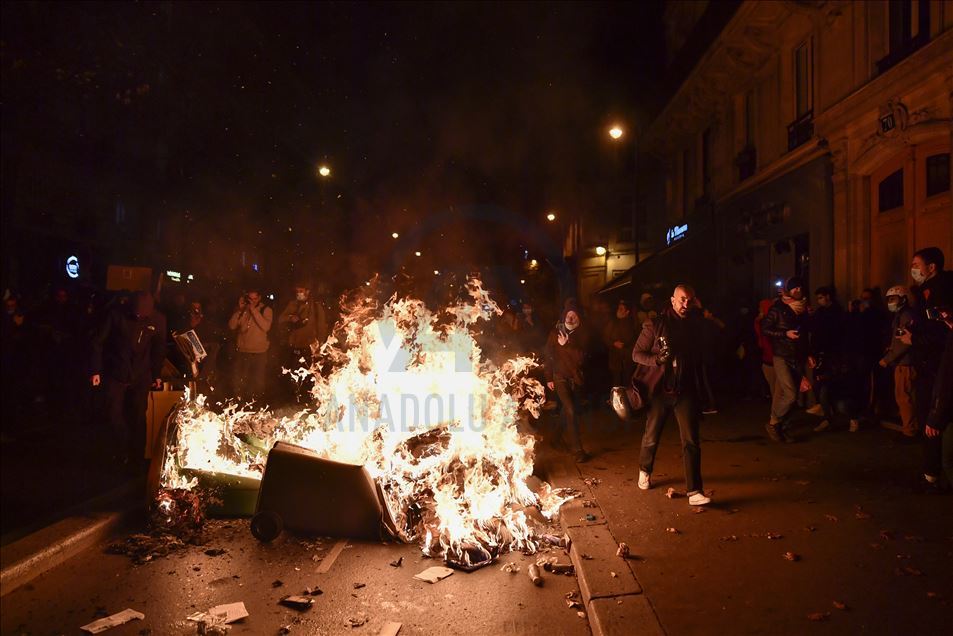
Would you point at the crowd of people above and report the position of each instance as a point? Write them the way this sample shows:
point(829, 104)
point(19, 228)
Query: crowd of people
point(884, 360)
point(93, 358)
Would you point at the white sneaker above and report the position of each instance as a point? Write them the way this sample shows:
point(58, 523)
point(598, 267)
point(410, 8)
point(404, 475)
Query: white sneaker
point(854, 426)
point(817, 409)
point(823, 426)
point(645, 480)
point(698, 498)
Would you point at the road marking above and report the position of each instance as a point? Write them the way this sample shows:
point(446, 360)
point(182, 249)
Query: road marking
point(329, 560)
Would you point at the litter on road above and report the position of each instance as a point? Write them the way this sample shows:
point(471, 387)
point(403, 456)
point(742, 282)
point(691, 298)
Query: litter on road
point(115, 620)
point(297, 602)
point(226, 613)
point(390, 629)
point(535, 575)
point(433, 574)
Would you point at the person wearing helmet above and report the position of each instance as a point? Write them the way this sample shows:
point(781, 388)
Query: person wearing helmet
point(898, 356)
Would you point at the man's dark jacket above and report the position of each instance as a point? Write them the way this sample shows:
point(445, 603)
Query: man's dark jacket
point(128, 349)
point(684, 341)
point(566, 362)
point(776, 323)
point(941, 406)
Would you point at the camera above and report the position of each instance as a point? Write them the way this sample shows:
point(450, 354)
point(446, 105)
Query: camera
point(933, 313)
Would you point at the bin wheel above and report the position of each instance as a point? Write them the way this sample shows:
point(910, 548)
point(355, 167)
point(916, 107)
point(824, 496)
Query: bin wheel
point(266, 526)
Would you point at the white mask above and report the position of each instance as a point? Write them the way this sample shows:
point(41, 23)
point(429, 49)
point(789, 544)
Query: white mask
point(917, 275)
point(894, 307)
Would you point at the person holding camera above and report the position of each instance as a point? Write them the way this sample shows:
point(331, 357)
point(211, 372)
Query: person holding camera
point(251, 321)
point(783, 326)
point(669, 352)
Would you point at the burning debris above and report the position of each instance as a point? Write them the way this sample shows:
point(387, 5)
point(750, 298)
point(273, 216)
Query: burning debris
point(408, 397)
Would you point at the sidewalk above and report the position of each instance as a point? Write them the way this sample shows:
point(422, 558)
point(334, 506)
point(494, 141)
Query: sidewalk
point(839, 502)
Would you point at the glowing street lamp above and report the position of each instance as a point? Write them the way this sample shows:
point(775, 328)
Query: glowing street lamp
point(600, 250)
point(324, 171)
point(616, 132)
point(550, 217)
point(394, 235)
point(416, 253)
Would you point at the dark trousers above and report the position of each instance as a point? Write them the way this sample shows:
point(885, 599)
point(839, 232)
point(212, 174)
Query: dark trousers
point(126, 409)
point(686, 414)
point(250, 374)
point(932, 446)
point(570, 395)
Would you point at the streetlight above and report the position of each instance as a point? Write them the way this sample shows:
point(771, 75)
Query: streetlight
point(394, 235)
point(550, 217)
point(324, 171)
point(600, 250)
point(416, 253)
point(616, 132)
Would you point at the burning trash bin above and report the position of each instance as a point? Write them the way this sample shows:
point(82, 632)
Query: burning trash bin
point(306, 493)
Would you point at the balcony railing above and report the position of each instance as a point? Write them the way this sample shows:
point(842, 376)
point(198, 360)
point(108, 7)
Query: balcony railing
point(801, 130)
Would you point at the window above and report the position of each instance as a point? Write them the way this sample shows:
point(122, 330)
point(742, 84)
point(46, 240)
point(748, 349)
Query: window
point(938, 174)
point(890, 192)
point(908, 22)
point(803, 94)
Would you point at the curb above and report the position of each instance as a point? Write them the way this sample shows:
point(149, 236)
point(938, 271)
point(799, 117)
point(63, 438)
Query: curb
point(611, 593)
point(25, 559)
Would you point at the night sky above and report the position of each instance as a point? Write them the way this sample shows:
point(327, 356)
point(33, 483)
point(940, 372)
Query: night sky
point(216, 115)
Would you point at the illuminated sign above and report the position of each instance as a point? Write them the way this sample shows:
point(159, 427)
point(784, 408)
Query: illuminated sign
point(72, 267)
point(676, 233)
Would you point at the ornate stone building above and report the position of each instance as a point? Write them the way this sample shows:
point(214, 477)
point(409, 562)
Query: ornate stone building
point(811, 138)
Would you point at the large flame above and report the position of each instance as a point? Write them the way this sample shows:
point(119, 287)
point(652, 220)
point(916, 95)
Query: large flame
point(410, 397)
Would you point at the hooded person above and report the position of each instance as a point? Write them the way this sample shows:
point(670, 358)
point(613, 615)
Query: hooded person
point(784, 326)
point(565, 357)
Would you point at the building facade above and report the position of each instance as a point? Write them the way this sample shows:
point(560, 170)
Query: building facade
point(811, 138)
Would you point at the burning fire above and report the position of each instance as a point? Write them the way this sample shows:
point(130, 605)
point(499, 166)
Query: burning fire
point(410, 397)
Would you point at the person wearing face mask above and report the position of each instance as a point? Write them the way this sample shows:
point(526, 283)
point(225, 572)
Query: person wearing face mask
point(939, 422)
point(128, 351)
point(669, 357)
point(306, 322)
point(566, 351)
point(785, 325)
point(898, 356)
point(927, 337)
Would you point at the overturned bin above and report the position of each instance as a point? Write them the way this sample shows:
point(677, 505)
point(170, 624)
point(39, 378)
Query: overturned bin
point(306, 493)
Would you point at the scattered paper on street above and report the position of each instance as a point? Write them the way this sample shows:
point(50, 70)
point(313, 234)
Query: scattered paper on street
point(390, 629)
point(434, 574)
point(115, 620)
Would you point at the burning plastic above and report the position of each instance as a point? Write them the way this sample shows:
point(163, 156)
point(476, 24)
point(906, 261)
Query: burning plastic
point(409, 397)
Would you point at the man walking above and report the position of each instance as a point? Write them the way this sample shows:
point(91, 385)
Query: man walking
point(782, 326)
point(669, 356)
point(566, 350)
point(252, 322)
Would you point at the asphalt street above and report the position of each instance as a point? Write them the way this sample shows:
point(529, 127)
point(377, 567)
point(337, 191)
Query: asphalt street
point(821, 536)
point(871, 556)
